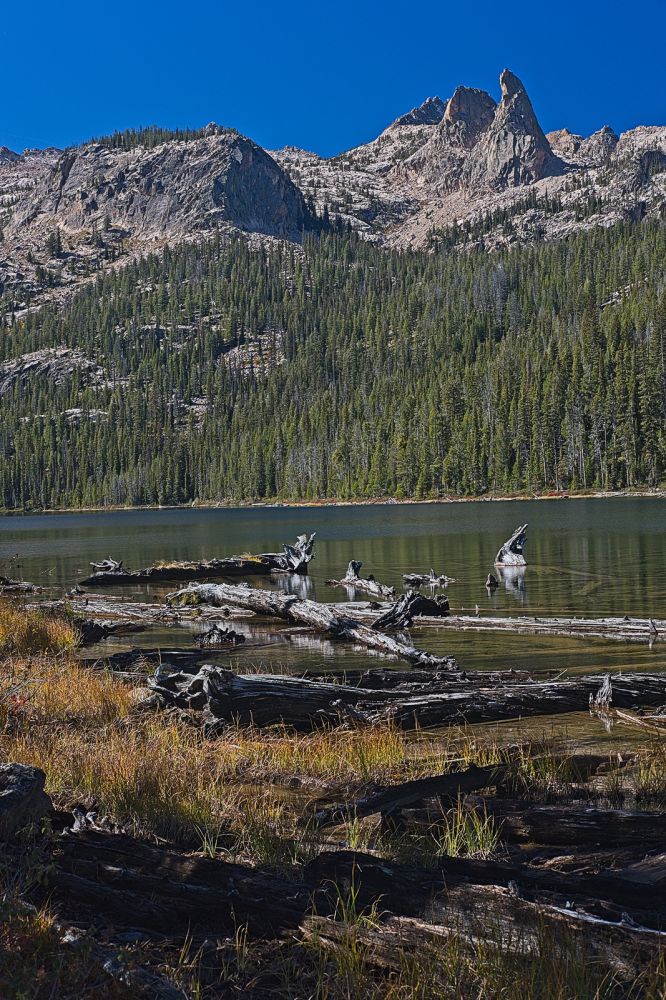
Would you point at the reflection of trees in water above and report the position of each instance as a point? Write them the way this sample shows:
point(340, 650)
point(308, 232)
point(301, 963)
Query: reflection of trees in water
point(513, 578)
point(292, 583)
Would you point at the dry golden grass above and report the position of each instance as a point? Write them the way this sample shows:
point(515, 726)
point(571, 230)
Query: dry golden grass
point(27, 632)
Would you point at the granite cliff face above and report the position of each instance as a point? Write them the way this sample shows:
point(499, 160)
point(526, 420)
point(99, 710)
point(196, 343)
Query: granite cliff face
point(177, 187)
point(484, 174)
point(470, 170)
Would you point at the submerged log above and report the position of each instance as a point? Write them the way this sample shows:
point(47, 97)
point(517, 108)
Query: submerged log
point(93, 630)
point(430, 579)
point(511, 553)
point(353, 581)
point(319, 617)
point(9, 586)
point(294, 559)
point(174, 571)
point(217, 637)
point(410, 606)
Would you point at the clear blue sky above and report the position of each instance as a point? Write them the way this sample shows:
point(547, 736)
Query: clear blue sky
point(322, 75)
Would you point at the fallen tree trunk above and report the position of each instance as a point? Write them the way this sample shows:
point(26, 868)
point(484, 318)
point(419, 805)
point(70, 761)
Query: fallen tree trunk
point(622, 629)
point(524, 822)
point(390, 800)
point(172, 572)
point(117, 877)
point(353, 581)
point(412, 605)
point(9, 586)
point(294, 559)
point(319, 617)
point(430, 579)
point(274, 698)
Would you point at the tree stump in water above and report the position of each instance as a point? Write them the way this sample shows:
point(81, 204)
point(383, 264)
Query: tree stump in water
point(353, 580)
point(511, 553)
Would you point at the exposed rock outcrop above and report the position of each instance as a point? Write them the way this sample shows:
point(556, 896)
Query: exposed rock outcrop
point(514, 150)
point(176, 187)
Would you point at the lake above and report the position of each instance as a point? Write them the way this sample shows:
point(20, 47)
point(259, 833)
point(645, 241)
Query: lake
point(585, 557)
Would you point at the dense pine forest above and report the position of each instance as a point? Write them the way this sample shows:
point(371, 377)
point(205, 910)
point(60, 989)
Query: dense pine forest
point(340, 369)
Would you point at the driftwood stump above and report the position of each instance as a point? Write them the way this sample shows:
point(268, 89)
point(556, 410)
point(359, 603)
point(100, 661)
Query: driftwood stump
point(511, 553)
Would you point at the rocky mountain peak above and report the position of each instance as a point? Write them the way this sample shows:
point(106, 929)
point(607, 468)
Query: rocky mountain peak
point(471, 110)
point(8, 155)
point(430, 112)
point(510, 85)
point(516, 149)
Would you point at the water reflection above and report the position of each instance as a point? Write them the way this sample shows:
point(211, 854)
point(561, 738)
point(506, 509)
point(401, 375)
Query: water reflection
point(513, 578)
point(573, 551)
point(293, 583)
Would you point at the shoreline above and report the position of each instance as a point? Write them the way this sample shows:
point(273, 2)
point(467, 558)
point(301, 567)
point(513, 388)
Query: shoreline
point(650, 494)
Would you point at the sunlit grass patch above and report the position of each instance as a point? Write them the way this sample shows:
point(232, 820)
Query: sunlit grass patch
point(28, 631)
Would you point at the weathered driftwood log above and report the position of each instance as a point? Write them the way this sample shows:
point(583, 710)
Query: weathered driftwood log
point(319, 617)
point(524, 822)
point(621, 629)
point(142, 660)
point(94, 630)
point(506, 906)
point(411, 605)
point(175, 571)
point(390, 800)
point(430, 579)
point(297, 557)
point(296, 701)
point(353, 581)
point(217, 637)
point(501, 922)
point(139, 884)
point(294, 559)
point(511, 553)
point(9, 586)
point(406, 887)
point(107, 566)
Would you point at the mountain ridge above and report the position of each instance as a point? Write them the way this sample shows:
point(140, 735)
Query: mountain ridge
point(469, 171)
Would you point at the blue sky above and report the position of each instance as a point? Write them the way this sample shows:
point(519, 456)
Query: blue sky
point(322, 75)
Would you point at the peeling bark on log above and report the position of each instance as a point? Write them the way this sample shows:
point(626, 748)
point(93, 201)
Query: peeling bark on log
point(410, 606)
point(511, 553)
point(353, 581)
point(319, 617)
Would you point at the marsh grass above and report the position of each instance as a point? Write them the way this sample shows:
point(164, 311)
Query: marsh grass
point(26, 632)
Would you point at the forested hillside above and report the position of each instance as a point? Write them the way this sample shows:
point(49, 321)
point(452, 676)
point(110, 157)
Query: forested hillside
point(341, 369)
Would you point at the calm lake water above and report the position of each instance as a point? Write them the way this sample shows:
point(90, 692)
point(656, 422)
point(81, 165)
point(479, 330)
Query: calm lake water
point(586, 557)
